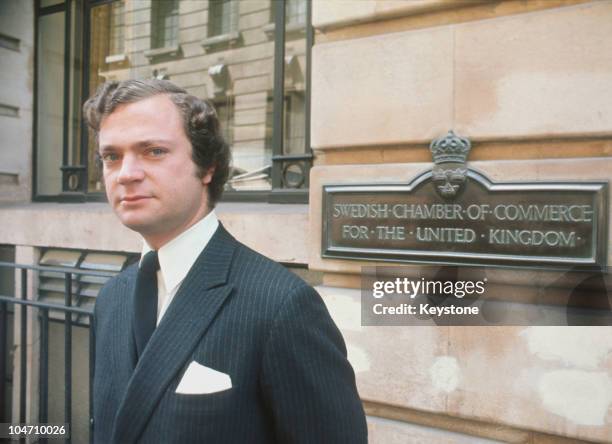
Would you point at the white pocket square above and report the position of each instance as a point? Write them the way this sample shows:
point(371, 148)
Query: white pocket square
point(199, 379)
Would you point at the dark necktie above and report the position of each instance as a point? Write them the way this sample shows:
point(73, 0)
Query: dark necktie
point(145, 300)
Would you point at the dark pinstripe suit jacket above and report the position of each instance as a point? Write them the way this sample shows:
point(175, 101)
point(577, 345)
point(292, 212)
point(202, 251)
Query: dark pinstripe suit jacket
point(241, 314)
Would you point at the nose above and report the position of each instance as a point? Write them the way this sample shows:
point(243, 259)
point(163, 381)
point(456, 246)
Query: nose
point(131, 170)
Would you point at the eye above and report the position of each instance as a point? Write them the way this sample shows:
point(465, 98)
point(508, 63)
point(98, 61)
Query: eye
point(157, 152)
point(109, 157)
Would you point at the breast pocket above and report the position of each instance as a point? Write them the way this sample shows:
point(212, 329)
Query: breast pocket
point(200, 391)
point(198, 379)
point(204, 398)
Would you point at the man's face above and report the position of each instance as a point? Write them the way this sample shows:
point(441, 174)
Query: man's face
point(150, 178)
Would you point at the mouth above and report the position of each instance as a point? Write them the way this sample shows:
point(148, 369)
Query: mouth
point(133, 199)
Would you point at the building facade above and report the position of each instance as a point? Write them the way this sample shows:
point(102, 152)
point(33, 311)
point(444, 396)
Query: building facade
point(311, 94)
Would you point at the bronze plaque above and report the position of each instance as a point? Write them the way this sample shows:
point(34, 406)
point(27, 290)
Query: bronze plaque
point(452, 214)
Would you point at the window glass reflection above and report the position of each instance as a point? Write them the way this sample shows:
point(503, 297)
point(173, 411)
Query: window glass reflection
point(50, 106)
point(128, 39)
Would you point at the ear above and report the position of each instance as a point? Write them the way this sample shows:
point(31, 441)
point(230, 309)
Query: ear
point(207, 177)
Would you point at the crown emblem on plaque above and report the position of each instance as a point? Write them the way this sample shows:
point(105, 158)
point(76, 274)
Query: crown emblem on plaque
point(450, 148)
point(449, 173)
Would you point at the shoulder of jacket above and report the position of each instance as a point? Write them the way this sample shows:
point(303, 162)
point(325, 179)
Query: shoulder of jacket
point(251, 261)
point(111, 288)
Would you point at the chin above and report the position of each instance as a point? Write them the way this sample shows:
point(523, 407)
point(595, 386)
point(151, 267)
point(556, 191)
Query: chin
point(135, 223)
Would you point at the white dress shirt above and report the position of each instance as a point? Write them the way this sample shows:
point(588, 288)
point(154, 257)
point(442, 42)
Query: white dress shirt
point(177, 257)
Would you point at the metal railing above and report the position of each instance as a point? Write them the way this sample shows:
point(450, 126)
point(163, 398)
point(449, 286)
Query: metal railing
point(43, 318)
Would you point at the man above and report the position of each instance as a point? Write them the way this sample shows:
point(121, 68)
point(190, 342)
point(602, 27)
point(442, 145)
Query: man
point(204, 340)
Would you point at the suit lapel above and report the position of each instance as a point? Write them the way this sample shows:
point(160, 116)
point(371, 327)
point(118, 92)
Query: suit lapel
point(121, 326)
point(198, 300)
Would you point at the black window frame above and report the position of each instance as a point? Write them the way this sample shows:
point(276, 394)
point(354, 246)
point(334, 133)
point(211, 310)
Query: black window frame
point(78, 173)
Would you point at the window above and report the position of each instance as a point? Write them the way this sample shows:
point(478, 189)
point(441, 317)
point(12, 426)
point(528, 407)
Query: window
point(164, 23)
point(117, 27)
point(295, 12)
point(222, 17)
point(294, 122)
point(50, 110)
point(295, 17)
point(229, 55)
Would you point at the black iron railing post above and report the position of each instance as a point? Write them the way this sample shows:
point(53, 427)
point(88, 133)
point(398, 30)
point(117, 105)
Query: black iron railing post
point(68, 352)
point(23, 370)
point(44, 366)
point(3, 361)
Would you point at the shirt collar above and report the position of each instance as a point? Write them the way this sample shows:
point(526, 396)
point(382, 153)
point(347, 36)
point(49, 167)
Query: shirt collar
point(178, 256)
